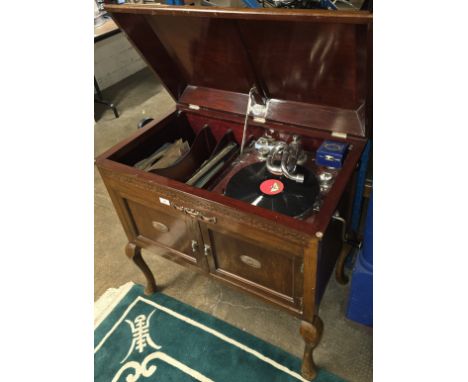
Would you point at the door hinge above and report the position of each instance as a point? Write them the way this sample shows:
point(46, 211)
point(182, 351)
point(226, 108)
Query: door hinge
point(337, 134)
point(194, 246)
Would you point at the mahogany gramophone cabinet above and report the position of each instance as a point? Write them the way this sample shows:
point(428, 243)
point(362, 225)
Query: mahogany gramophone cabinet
point(309, 72)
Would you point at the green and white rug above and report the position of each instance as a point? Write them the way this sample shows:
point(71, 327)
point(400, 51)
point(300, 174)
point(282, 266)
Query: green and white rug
point(157, 338)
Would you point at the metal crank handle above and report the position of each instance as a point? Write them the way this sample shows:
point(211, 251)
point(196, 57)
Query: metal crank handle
point(337, 217)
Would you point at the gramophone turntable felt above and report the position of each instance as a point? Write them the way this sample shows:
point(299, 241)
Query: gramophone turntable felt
point(254, 184)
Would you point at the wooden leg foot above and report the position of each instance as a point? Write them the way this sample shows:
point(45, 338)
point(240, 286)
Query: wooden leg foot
point(134, 253)
point(311, 333)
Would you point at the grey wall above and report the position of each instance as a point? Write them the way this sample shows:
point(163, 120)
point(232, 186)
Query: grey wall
point(114, 60)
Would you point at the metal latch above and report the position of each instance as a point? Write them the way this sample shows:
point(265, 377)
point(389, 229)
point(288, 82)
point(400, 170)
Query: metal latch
point(194, 246)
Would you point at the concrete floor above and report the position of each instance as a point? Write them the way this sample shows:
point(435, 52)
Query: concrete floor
point(346, 347)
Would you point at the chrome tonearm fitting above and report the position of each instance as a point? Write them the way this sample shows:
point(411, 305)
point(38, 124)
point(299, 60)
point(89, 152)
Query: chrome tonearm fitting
point(291, 155)
point(273, 168)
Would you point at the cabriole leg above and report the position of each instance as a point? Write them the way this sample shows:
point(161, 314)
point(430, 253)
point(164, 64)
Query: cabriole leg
point(134, 253)
point(311, 333)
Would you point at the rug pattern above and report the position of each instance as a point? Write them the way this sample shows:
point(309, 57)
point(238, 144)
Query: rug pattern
point(158, 338)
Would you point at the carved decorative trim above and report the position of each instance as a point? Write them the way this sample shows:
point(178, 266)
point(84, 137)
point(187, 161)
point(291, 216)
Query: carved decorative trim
point(193, 201)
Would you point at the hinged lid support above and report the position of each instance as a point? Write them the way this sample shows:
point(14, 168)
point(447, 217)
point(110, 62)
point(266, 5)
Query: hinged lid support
point(259, 112)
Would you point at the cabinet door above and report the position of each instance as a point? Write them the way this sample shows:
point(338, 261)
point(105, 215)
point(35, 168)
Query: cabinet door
point(253, 265)
point(169, 229)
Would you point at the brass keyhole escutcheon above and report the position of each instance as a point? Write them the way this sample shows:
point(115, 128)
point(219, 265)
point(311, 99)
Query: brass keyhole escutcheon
point(158, 226)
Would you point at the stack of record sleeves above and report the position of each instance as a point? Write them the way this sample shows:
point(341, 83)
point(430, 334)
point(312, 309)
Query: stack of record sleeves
point(212, 166)
point(165, 156)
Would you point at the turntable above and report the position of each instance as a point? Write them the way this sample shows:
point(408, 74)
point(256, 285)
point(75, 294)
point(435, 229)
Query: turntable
point(279, 176)
point(285, 179)
point(254, 184)
point(257, 91)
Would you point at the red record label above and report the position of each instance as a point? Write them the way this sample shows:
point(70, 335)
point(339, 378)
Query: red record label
point(272, 187)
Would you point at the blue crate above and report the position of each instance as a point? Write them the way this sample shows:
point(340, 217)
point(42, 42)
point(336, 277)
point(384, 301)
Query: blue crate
point(360, 306)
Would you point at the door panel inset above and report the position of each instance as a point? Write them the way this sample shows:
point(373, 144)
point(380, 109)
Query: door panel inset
point(169, 229)
point(251, 262)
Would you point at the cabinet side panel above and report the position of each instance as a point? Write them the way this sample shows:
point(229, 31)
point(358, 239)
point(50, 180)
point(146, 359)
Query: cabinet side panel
point(122, 210)
point(328, 252)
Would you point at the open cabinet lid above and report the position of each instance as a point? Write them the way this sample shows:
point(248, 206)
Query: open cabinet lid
point(313, 66)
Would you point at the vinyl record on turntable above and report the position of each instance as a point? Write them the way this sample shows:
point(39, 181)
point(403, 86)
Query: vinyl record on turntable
point(254, 184)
